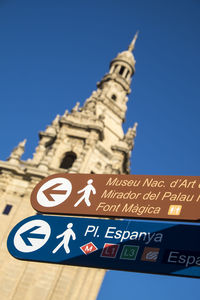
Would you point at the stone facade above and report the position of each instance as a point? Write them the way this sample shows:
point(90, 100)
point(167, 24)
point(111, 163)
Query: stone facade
point(89, 139)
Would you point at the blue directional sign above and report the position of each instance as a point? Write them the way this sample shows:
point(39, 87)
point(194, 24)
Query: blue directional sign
point(141, 246)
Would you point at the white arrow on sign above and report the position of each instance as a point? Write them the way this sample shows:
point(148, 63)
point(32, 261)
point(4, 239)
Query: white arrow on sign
point(32, 236)
point(54, 192)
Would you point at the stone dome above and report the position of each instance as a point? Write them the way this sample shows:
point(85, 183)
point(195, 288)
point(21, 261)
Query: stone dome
point(126, 56)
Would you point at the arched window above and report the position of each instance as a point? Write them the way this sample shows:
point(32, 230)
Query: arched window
point(127, 74)
point(115, 67)
point(121, 71)
point(68, 160)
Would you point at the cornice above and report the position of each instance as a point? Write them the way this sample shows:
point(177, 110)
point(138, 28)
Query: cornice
point(84, 122)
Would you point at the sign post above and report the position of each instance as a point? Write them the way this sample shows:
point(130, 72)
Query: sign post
point(122, 196)
point(141, 246)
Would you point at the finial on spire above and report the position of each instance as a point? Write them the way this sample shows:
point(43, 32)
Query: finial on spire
point(17, 153)
point(135, 127)
point(132, 44)
point(56, 120)
point(23, 143)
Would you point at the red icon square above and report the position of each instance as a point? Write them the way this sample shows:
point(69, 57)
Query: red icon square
point(109, 250)
point(88, 248)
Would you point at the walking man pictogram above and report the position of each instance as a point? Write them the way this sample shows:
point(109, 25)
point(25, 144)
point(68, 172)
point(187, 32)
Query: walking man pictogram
point(86, 190)
point(67, 234)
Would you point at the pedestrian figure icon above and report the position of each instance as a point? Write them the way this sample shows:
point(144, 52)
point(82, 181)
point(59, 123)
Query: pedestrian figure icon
point(67, 234)
point(86, 190)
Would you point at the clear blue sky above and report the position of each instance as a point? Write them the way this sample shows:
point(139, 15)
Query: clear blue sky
point(53, 52)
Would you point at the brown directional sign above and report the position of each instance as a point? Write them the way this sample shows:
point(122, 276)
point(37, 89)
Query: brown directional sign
point(123, 196)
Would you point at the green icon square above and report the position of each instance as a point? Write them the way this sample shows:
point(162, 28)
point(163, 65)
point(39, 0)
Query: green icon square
point(129, 252)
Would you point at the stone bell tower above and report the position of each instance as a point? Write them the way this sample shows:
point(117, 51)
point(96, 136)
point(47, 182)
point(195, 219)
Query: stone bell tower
point(89, 139)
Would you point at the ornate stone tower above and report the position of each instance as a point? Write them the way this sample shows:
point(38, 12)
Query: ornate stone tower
point(90, 139)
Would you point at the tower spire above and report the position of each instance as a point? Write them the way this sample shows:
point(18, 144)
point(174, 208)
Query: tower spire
point(132, 44)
